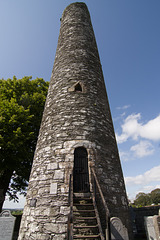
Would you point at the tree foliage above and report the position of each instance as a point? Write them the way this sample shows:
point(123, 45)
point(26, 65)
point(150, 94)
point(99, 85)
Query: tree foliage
point(144, 199)
point(155, 196)
point(21, 107)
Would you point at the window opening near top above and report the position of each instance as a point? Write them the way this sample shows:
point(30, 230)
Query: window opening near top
point(78, 87)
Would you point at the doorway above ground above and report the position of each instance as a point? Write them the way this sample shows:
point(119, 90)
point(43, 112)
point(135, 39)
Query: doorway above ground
point(80, 171)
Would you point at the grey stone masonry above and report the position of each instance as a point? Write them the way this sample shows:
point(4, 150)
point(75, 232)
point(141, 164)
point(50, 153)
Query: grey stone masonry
point(76, 114)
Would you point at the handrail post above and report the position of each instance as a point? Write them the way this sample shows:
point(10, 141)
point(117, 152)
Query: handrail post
point(108, 237)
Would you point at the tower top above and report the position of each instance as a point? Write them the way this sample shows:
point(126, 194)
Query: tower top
point(77, 7)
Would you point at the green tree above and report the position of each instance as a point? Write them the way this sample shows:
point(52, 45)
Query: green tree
point(155, 196)
point(21, 107)
point(142, 199)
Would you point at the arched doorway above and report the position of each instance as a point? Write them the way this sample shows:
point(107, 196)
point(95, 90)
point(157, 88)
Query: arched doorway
point(80, 170)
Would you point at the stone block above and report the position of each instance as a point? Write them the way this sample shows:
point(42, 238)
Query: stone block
point(62, 165)
point(54, 211)
point(43, 190)
point(59, 237)
point(55, 228)
point(52, 166)
point(65, 189)
point(64, 210)
point(59, 174)
point(53, 188)
point(62, 219)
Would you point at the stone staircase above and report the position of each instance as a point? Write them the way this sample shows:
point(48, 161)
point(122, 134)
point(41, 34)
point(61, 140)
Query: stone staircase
point(85, 220)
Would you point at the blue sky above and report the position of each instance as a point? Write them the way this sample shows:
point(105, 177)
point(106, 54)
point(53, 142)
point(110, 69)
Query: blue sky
point(128, 39)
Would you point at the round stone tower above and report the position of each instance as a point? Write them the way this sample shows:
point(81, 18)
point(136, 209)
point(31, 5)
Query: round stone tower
point(76, 121)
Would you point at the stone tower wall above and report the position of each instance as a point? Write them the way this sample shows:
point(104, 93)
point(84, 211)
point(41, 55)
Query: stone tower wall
point(71, 119)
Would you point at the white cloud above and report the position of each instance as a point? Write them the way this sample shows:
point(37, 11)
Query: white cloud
point(151, 130)
point(132, 128)
point(153, 175)
point(124, 107)
point(124, 156)
point(142, 149)
point(148, 188)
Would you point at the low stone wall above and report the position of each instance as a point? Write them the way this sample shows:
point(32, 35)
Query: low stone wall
point(138, 215)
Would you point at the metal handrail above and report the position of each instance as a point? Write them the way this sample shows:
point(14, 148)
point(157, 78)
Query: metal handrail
point(95, 184)
point(70, 203)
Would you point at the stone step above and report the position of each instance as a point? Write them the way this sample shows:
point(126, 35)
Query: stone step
point(83, 204)
point(86, 236)
point(86, 218)
point(87, 221)
point(81, 211)
point(82, 195)
point(83, 207)
point(89, 229)
point(84, 212)
point(79, 199)
point(91, 226)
